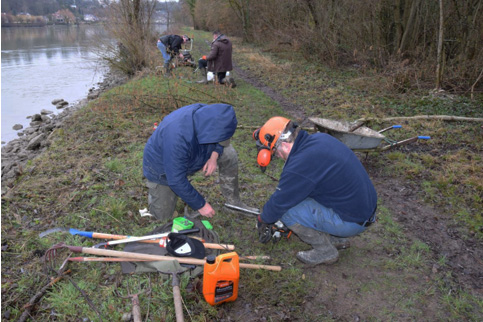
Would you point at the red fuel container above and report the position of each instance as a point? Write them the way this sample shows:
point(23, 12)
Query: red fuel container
point(220, 278)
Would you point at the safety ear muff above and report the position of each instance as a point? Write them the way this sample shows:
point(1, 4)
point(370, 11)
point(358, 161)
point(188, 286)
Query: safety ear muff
point(264, 157)
point(255, 134)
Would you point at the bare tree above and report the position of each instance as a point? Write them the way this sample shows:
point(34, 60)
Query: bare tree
point(130, 26)
point(439, 68)
point(242, 11)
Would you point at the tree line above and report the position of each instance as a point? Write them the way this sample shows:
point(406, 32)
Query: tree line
point(434, 40)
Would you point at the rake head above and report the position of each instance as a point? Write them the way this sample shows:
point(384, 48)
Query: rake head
point(55, 255)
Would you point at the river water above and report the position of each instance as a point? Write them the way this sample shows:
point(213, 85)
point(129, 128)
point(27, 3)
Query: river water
point(42, 64)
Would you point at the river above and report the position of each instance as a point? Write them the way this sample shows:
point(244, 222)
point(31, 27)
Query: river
point(44, 63)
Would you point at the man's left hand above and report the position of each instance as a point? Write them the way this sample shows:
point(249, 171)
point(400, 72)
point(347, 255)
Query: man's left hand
point(264, 231)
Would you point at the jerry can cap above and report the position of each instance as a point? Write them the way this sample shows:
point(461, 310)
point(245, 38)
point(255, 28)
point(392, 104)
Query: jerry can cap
point(211, 259)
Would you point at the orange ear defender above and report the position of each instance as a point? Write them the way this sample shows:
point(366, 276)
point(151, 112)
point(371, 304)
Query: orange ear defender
point(264, 157)
point(264, 154)
point(266, 137)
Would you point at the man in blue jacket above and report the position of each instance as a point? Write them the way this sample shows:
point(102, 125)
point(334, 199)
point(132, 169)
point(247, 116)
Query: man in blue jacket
point(324, 194)
point(192, 138)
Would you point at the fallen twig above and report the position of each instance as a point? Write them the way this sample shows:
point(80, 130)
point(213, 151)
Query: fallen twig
point(34, 299)
point(425, 117)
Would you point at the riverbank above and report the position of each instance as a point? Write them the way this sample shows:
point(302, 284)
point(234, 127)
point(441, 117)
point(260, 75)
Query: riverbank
point(418, 262)
point(34, 139)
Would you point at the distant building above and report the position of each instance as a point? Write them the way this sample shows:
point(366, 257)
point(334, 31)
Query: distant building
point(90, 18)
point(58, 18)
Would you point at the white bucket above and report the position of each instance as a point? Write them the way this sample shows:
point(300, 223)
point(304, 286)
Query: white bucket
point(210, 76)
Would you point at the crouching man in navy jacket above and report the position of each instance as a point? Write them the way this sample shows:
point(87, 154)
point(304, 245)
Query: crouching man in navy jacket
point(324, 194)
point(192, 138)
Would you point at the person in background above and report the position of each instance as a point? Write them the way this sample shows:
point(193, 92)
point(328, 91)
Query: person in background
point(324, 194)
point(169, 46)
point(218, 61)
point(192, 138)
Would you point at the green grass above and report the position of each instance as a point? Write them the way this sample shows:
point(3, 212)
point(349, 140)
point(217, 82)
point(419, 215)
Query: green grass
point(91, 179)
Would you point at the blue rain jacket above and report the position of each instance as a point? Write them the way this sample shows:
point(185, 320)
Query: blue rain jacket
point(322, 168)
point(182, 144)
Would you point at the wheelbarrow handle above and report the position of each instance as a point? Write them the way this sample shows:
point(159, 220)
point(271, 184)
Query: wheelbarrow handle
point(423, 137)
point(390, 128)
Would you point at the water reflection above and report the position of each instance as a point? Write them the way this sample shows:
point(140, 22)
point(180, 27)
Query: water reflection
point(40, 64)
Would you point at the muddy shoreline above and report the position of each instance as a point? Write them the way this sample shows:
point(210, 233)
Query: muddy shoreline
point(35, 139)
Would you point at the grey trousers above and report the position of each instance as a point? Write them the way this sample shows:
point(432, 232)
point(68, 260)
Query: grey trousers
point(162, 200)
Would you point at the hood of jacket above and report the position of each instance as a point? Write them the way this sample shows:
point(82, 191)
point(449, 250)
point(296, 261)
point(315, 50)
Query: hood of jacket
point(214, 123)
point(222, 39)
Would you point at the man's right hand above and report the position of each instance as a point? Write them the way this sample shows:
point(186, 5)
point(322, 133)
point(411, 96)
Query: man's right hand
point(207, 210)
point(264, 231)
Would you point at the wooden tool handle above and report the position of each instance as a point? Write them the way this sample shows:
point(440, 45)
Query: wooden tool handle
point(178, 305)
point(182, 260)
point(156, 241)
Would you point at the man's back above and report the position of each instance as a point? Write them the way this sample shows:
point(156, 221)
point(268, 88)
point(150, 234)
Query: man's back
point(220, 55)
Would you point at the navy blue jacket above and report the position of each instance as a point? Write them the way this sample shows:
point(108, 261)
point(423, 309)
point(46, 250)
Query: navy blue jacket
point(172, 42)
point(183, 143)
point(322, 168)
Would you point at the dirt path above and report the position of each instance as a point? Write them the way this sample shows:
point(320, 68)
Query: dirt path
point(296, 111)
point(463, 257)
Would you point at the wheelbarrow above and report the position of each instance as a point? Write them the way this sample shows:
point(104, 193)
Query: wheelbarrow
point(358, 137)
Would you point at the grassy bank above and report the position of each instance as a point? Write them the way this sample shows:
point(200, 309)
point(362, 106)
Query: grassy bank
point(91, 179)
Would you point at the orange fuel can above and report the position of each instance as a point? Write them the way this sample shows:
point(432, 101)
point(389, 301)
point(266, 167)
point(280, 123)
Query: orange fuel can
point(220, 278)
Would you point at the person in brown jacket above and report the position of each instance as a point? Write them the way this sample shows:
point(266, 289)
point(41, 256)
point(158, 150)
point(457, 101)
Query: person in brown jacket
point(218, 60)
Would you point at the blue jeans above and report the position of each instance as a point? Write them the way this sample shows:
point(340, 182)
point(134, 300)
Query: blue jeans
point(164, 52)
point(310, 213)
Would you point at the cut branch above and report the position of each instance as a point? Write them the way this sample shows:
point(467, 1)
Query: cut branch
point(424, 117)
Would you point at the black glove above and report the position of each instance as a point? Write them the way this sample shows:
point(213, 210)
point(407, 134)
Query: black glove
point(264, 231)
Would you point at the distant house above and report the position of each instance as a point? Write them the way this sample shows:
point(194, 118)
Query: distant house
point(59, 19)
point(90, 18)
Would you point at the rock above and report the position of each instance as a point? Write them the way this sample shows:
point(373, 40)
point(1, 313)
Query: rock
point(17, 127)
point(45, 112)
point(36, 117)
point(93, 95)
point(45, 118)
point(56, 101)
point(35, 123)
point(36, 141)
point(59, 106)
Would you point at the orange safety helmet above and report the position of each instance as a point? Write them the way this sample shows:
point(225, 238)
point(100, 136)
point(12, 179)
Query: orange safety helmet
point(266, 137)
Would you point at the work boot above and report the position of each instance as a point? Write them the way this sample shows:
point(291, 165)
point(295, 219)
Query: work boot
point(228, 168)
point(323, 251)
point(203, 79)
point(340, 242)
point(167, 69)
point(230, 82)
